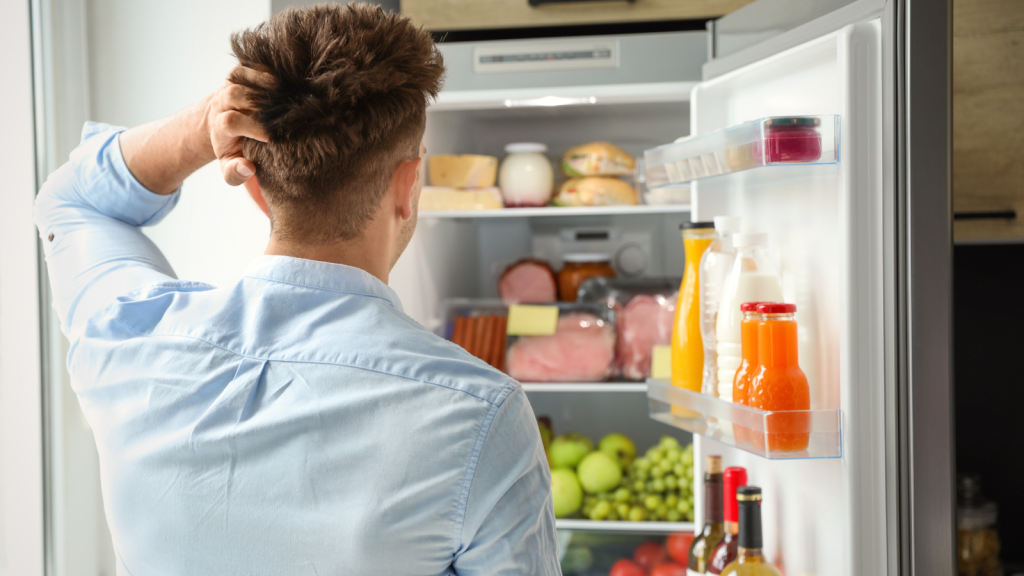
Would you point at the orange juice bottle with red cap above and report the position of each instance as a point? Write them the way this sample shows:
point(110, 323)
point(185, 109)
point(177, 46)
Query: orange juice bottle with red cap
point(748, 364)
point(779, 384)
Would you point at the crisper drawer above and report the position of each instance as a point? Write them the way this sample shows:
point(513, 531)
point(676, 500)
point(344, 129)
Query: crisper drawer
point(476, 15)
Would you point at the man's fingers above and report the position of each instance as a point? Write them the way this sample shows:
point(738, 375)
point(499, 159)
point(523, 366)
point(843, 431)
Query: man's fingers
point(234, 124)
point(262, 79)
point(236, 170)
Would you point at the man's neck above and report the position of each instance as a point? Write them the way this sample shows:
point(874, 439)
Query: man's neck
point(359, 253)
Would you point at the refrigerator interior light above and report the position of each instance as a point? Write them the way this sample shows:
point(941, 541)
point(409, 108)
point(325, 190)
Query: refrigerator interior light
point(549, 101)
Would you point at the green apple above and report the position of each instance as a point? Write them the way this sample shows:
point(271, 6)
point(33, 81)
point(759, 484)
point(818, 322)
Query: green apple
point(565, 492)
point(567, 450)
point(599, 472)
point(620, 447)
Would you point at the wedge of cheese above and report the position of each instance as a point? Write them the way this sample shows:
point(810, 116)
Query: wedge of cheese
point(437, 199)
point(463, 171)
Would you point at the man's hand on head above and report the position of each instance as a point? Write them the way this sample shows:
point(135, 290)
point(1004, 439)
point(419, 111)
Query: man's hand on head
point(229, 119)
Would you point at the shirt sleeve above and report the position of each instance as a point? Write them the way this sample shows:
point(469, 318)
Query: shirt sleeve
point(509, 525)
point(89, 214)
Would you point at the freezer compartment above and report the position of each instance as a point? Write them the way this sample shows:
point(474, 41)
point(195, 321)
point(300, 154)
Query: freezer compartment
point(784, 435)
point(773, 141)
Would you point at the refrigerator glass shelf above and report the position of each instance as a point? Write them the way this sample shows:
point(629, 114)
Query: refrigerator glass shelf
point(584, 386)
point(743, 427)
point(621, 526)
point(774, 141)
point(555, 211)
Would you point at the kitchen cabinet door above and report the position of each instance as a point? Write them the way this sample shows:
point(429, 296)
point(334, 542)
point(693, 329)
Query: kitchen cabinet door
point(485, 14)
point(988, 119)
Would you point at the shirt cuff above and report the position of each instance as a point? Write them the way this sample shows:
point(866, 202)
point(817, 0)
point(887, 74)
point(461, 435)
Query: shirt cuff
point(109, 186)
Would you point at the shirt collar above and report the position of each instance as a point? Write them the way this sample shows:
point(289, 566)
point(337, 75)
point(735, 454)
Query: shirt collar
point(322, 276)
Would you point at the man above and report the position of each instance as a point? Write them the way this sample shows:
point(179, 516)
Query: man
point(296, 422)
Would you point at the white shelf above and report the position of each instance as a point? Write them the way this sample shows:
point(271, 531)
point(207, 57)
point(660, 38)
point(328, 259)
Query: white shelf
point(554, 211)
point(585, 387)
point(519, 98)
point(623, 526)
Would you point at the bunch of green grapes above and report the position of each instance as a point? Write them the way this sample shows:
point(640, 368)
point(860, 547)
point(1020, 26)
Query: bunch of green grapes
point(657, 486)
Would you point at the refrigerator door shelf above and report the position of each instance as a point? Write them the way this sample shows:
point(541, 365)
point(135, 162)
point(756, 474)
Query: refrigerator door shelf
point(746, 428)
point(623, 527)
point(774, 141)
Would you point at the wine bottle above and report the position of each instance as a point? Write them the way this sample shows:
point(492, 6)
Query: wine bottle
point(727, 549)
point(714, 528)
point(749, 558)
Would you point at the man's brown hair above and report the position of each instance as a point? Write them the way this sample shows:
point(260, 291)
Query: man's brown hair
point(349, 104)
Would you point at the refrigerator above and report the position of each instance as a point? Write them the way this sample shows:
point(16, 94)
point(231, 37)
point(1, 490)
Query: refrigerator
point(862, 244)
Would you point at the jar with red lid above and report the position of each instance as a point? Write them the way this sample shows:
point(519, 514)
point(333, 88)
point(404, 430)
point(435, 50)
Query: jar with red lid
point(577, 269)
point(790, 139)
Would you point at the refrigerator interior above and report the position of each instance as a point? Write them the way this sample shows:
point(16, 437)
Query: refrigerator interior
point(825, 516)
point(463, 257)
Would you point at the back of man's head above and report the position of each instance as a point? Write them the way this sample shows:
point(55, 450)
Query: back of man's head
point(353, 83)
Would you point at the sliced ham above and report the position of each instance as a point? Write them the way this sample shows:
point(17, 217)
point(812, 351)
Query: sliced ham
point(528, 282)
point(582, 349)
point(645, 322)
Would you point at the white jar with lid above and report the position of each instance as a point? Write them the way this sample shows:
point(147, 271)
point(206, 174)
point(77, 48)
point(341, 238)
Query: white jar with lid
point(526, 177)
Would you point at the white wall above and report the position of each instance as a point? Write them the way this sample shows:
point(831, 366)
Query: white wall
point(150, 59)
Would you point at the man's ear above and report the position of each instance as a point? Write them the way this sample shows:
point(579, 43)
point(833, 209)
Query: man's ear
point(257, 195)
point(403, 182)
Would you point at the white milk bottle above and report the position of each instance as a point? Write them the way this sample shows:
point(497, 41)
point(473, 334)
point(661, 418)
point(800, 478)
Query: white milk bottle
point(715, 265)
point(752, 279)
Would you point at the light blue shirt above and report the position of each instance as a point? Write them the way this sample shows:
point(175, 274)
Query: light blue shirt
point(294, 423)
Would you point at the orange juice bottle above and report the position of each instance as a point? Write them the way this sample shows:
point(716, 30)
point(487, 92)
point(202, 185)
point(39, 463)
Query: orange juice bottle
point(687, 346)
point(749, 363)
point(779, 384)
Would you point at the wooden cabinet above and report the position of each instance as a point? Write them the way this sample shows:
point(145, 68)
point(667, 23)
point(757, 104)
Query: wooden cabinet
point(988, 117)
point(485, 14)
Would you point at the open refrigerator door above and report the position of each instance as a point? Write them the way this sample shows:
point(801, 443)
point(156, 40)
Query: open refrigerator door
point(824, 508)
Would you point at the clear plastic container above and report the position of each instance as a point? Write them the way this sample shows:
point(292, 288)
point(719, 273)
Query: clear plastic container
point(644, 311)
point(478, 326)
point(752, 279)
point(714, 268)
point(976, 536)
point(780, 140)
point(582, 348)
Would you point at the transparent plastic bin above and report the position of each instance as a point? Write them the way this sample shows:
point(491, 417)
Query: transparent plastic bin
point(774, 141)
point(755, 431)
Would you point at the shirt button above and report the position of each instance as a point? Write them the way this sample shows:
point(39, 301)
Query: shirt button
point(50, 237)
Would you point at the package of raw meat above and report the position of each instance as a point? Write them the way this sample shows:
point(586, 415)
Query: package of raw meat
point(644, 313)
point(582, 349)
point(528, 281)
point(478, 326)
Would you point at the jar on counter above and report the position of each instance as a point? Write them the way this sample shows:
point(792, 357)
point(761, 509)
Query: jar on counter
point(577, 269)
point(977, 541)
point(526, 177)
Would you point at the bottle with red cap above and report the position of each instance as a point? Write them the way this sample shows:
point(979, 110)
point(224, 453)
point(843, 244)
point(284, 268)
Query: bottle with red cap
point(748, 365)
point(734, 477)
point(779, 384)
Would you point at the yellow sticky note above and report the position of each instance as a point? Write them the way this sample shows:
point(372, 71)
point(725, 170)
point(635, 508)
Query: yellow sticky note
point(661, 362)
point(532, 320)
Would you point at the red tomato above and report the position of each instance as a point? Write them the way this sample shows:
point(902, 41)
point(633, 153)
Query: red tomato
point(626, 568)
point(650, 554)
point(679, 546)
point(668, 569)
